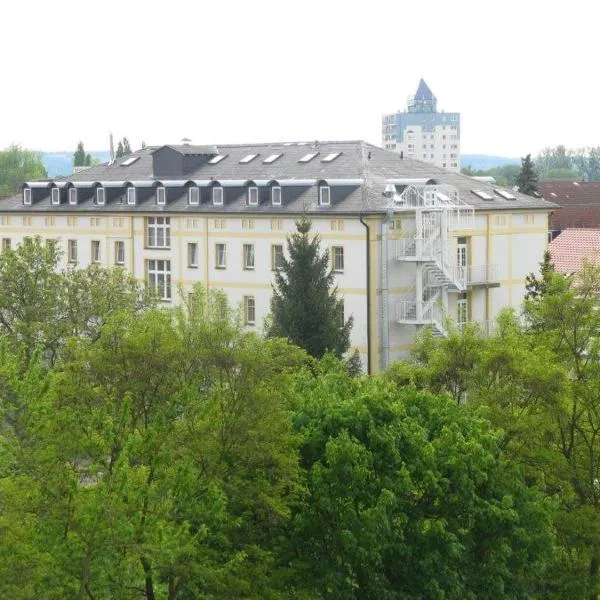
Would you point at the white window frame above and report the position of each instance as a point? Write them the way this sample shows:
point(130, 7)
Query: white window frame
point(158, 232)
point(27, 196)
point(55, 196)
point(274, 254)
point(72, 251)
point(249, 310)
point(252, 191)
point(191, 200)
point(159, 277)
point(249, 257)
point(95, 251)
point(462, 310)
point(131, 195)
point(217, 198)
point(321, 199)
point(119, 252)
point(100, 196)
point(337, 259)
point(161, 196)
point(192, 254)
point(220, 257)
point(72, 196)
point(273, 195)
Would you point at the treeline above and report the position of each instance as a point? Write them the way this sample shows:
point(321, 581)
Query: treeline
point(170, 453)
point(18, 165)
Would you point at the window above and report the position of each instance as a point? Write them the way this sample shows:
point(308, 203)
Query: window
point(337, 224)
point(500, 220)
point(276, 257)
point(249, 310)
point(529, 219)
point(253, 196)
point(193, 255)
point(95, 251)
point(482, 194)
point(276, 224)
point(72, 251)
point(118, 221)
point(5, 243)
point(158, 232)
point(161, 196)
point(5, 220)
point(159, 278)
point(217, 196)
point(193, 223)
point(100, 195)
point(220, 256)
point(331, 157)
point(341, 314)
point(276, 195)
point(505, 194)
point(49, 221)
point(194, 195)
point(248, 256)
point(220, 223)
point(324, 195)
point(26, 195)
point(119, 252)
point(217, 159)
point(129, 161)
point(130, 195)
point(272, 158)
point(248, 158)
point(95, 221)
point(462, 309)
point(308, 157)
point(55, 196)
point(248, 224)
point(337, 258)
point(26, 221)
point(72, 195)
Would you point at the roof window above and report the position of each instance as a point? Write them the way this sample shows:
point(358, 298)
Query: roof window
point(248, 158)
point(505, 194)
point(324, 195)
point(26, 195)
point(308, 157)
point(331, 157)
point(130, 195)
point(482, 194)
point(253, 196)
point(100, 195)
point(217, 196)
point(130, 161)
point(272, 158)
point(161, 195)
point(194, 195)
point(72, 195)
point(217, 159)
point(55, 196)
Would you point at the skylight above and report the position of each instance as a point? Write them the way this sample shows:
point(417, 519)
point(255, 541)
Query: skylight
point(272, 158)
point(130, 161)
point(505, 194)
point(217, 159)
point(331, 157)
point(248, 158)
point(483, 195)
point(308, 157)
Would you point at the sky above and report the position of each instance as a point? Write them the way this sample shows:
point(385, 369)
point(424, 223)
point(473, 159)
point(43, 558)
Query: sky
point(523, 74)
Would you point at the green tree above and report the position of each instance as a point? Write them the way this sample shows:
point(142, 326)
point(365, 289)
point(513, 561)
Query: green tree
point(126, 147)
point(536, 286)
point(409, 496)
point(120, 151)
point(17, 166)
point(79, 158)
point(305, 305)
point(527, 180)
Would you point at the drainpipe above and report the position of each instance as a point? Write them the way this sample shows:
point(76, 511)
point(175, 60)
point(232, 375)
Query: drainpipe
point(368, 255)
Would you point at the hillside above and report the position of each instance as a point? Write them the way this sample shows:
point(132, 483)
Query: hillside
point(484, 162)
point(61, 163)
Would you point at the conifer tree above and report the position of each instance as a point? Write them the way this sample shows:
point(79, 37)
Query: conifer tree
point(536, 287)
point(120, 151)
point(528, 178)
point(126, 147)
point(305, 305)
point(79, 156)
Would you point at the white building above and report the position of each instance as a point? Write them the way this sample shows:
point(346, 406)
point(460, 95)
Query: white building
point(411, 244)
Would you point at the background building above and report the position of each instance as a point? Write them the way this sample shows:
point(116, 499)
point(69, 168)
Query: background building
point(422, 133)
point(410, 244)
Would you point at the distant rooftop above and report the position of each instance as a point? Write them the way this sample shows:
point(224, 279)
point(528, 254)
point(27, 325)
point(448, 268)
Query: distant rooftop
point(572, 247)
point(423, 100)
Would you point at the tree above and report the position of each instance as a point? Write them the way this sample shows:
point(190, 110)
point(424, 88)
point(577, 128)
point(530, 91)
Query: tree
point(305, 305)
point(79, 158)
point(123, 149)
point(536, 287)
point(527, 180)
point(120, 152)
point(17, 166)
point(409, 496)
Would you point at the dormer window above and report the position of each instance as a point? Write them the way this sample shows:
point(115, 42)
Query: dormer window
point(72, 195)
point(130, 195)
point(100, 195)
point(324, 195)
point(55, 196)
point(276, 195)
point(252, 196)
point(194, 195)
point(161, 196)
point(26, 195)
point(217, 196)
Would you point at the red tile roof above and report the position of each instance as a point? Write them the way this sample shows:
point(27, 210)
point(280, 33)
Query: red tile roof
point(572, 246)
point(579, 202)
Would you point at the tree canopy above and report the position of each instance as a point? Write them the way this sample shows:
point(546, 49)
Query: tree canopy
point(527, 180)
point(18, 165)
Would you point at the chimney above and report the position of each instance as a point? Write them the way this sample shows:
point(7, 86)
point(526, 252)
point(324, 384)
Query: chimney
point(401, 154)
point(112, 149)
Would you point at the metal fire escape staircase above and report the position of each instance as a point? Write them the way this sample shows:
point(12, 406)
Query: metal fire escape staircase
point(437, 210)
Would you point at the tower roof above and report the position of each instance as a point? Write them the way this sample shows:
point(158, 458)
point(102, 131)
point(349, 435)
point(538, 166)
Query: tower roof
point(423, 101)
point(423, 92)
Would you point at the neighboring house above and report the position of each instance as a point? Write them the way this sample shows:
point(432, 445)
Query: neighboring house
point(579, 203)
point(569, 250)
point(422, 133)
point(410, 243)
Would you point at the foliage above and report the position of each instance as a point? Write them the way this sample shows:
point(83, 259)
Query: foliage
point(527, 180)
point(305, 305)
point(505, 175)
point(563, 163)
point(80, 158)
point(409, 496)
point(536, 286)
point(17, 166)
point(123, 148)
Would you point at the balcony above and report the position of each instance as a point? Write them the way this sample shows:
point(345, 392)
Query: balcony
point(482, 275)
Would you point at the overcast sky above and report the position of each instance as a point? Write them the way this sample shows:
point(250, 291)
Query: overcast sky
point(523, 74)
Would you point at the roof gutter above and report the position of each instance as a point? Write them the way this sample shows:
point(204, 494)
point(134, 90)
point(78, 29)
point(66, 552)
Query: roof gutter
point(368, 270)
